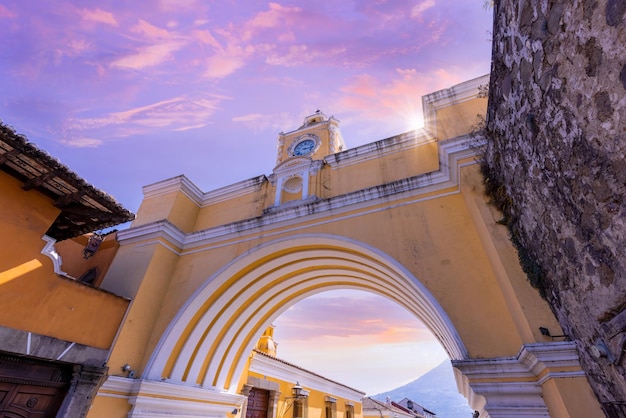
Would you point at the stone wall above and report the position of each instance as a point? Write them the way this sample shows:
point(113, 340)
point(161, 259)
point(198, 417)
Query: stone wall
point(555, 165)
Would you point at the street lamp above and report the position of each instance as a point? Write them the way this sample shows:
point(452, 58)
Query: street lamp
point(297, 392)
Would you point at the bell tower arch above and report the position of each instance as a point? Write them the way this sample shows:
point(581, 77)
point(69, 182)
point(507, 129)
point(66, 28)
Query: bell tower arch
point(300, 157)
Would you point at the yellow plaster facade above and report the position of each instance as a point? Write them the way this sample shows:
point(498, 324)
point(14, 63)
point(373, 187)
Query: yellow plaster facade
point(403, 217)
point(317, 396)
point(56, 331)
point(34, 298)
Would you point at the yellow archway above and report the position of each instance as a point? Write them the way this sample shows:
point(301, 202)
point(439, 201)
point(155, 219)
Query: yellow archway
point(210, 338)
point(404, 217)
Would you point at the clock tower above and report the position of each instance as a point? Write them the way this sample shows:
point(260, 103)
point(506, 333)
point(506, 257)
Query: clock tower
point(301, 155)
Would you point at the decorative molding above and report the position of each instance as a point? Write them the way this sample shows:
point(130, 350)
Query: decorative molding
point(293, 166)
point(160, 230)
point(185, 186)
point(301, 138)
point(511, 386)
point(117, 387)
point(293, 184)
point(263, 383)
point(175, 184)
point(344, 252)
point(447, 97)
point(162, 399)
point(50, 251)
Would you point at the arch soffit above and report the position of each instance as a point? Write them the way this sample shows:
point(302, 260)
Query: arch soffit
point(209, 340)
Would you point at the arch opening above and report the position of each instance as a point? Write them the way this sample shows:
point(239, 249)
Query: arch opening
point(360, 339)
point(208, 342)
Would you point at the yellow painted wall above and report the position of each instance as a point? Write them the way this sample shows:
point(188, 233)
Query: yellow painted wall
point(316, 401)
point(175, 207)
point(381, 170)
point(239, 208)
point(460, 119)
point(108, 407)
point(434, 239)
point(32, 296)
point(137, 332)
point(571, 397)
point(529, 311)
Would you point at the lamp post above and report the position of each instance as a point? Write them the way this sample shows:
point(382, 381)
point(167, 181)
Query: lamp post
point(297, 392)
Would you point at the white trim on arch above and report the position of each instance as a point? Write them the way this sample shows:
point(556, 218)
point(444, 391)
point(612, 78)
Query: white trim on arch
point(255, 298)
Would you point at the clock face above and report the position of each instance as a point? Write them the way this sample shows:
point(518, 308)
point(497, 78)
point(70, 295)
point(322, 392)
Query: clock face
point(304, 147)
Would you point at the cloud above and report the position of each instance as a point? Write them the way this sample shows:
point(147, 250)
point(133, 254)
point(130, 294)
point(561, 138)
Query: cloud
point(81, 142)
point(251, 118)
point(276, 17)
point(206, 37)
point(149, 31)
point(349, 336)
point(418, 10)
point(240, 46)
point(6, 13)
point(176, 114)
point(226, 62)
point(149, 56)
point(395, 99)
point(297, 55)
point(178, 5)
point(98, 16)
point(259, 122)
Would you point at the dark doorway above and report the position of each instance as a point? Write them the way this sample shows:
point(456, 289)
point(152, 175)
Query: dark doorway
point(257, 403)
point(31, 388)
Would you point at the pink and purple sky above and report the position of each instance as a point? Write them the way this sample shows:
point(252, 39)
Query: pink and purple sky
point(131, 93)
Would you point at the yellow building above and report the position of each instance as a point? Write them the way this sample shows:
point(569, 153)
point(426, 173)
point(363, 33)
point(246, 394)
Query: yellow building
point(56, 330)
point(403, 217)
point(275, 388)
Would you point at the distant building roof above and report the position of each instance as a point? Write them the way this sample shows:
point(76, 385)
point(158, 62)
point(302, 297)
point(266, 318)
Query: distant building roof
point(370, 403)
point(83, 207)
point(414, 407)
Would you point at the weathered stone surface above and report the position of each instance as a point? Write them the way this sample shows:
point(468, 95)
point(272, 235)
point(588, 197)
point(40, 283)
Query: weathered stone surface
point(603, 106)
point(559, 151)
point(615, 12)
point(594, 57)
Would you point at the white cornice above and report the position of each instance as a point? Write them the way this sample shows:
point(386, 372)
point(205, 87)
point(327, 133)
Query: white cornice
point(154, 398)
point(188, 188)
point(162, 229)
point(509, 381)
point(165, 389)
point(50, 250)
point(284, 371)
point(448, 97)
point(378, 149)
point(175, 184)
point(532, 360)
point(538, 358)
